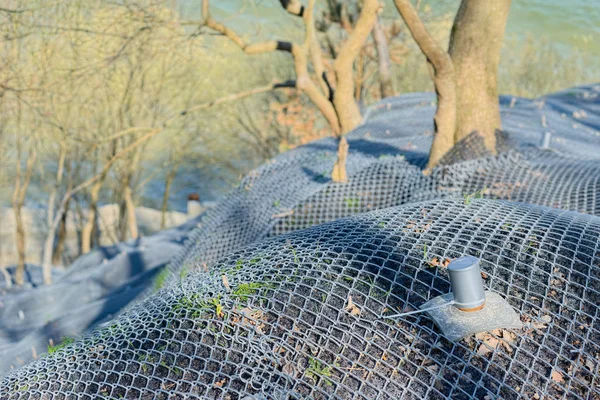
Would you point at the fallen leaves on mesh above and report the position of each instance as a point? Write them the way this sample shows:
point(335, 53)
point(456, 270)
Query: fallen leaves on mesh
point(542, 322)
point(436, 263)
point(221, 382)
point(557, 376)
point(495, 339)
point(249, 316)
point(584, 361)
point(351, 307)
point(225, 282)
point(418, 227)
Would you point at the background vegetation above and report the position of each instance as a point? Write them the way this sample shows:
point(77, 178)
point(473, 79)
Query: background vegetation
point(112, 101)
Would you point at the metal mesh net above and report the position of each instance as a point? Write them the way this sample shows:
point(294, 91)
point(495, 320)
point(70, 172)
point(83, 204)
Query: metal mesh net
point(303, 315)
point(385, 161)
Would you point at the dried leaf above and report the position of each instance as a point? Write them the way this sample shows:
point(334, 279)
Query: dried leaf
point(557, 376)
point(433, 368)
point(250, 316)
point(543, 322)
point(488, 346)
point(491, 342)
point(288, 368)
point(221, 382)
point(546, 318)
point(589, 364)
point(351, 307)
point(508, 338)
point(225, 282)
point(434, 262)
point(525, 318)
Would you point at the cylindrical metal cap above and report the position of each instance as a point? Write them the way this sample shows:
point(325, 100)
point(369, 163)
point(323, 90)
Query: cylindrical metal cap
point(467, 284)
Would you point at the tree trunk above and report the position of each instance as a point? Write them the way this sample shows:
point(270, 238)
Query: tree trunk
point(122, 222)
point(339, 169)
point(50, 235)
point(47, 255)
point(359, 76)
point(20, 236)
point(61, 237)
point(165, 201)
point(18, 200)
point(131, 219)
point(475, 45)
point(127, 220)
point(383, 55)
point(88, 228)
point(343, 99)
point(442, 71)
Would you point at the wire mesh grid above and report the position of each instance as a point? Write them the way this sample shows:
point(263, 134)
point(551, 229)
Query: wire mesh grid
point(533, 176)
point(302, 315)
point(392, 146)
point(294, 192)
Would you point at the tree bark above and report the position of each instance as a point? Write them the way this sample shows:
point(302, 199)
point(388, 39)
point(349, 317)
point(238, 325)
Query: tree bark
point(20, 236)
point(299, 53)
point(344, 102)
point(475, 44)
point(127, 220)
point(339, 169)
point(165, 201)
point(442, 71)
point(343, 98)
point(383, 55)
point(88, 228)
point(131, 219)
point(61, 237)
point(17, 201)
point(50, 235)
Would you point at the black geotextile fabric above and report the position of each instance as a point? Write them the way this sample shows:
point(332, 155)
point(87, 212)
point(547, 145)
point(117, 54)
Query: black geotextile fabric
point(294, 191)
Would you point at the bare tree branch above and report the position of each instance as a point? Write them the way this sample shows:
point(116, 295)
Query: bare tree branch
point(113, 160)
point(294, 7)
point(303, 77)
point(12, 11)
point(348, 111)
point(299, 54)
point(443, 80)
point(240, 95)
point(343, 99)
